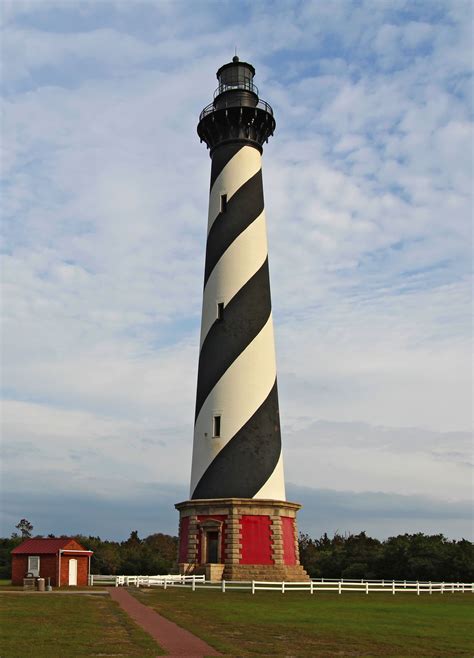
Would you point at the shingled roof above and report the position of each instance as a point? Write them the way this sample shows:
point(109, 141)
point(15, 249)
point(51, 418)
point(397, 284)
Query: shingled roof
point(41, 546)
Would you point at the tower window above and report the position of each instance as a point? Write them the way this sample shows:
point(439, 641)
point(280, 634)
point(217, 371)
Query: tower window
point(223, 202)
point(216, 427)
point(220, 310)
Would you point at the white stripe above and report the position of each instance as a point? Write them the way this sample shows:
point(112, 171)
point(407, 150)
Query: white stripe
point(236, 266)
point(237, 171)
point(274, 487)
point(236, 397)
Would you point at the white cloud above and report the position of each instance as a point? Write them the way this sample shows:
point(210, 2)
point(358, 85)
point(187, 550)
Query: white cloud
point(76, 449)
point(362, 458)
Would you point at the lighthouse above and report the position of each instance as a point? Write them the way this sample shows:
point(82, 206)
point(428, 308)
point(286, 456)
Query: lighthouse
point(237, 523)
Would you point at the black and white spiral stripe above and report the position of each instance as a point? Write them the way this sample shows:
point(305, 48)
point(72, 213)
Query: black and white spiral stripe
point(237, 371)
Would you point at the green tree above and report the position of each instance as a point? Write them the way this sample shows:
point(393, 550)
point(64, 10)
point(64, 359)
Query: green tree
point(309, 555)
point(25, 527)
point(404, 557)
point(165, 546)
point(6, 546)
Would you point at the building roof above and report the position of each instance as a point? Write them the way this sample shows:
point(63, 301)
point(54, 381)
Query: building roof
point(41, 546)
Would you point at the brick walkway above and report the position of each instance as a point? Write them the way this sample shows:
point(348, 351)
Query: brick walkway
point(174, 639)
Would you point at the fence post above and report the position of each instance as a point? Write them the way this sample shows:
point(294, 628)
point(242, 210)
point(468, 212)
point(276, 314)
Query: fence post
point(404, 584)
point(223, 585)
point(442, 588)
point(418, 588)
point(282, 586)
point(253, 586)
point(311, 587)
point(366, 587)
point(431, 588)
point(193, 586)
point(393, 587)
point(164, 583)
point(339, 587)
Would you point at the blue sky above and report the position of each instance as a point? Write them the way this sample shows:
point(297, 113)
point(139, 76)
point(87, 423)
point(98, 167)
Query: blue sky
point(368, 201)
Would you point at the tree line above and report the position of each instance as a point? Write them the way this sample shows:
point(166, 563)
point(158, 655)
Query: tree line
point(404, 557)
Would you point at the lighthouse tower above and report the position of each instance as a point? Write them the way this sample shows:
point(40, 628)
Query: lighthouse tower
point(237, 523)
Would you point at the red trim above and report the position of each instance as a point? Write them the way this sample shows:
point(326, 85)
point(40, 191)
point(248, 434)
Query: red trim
point(183, 539)
point(47, 546)
point(288, 530)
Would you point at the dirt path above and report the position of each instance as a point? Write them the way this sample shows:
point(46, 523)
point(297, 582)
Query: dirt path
point(174, 639)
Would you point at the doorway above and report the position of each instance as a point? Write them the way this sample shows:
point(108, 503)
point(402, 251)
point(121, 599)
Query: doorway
point(210, 540)
point(72, 572)
point(34, 565)
point(212, 547)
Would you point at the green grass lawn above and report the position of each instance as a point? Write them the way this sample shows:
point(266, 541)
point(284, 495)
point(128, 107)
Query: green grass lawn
point(325, 624)
point(239, 624)
point(63, 626)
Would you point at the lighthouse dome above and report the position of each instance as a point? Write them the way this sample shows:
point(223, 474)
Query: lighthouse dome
point(236, 75)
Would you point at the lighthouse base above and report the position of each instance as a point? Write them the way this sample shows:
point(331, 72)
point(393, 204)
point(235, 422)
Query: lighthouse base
point(240, 539)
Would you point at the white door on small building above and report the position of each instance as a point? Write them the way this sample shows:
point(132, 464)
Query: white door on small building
point(34, 565)
point(72, 572)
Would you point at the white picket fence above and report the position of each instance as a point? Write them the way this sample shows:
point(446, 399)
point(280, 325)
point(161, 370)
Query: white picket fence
point(313, 586)
point(145, 581)
point(367, 587)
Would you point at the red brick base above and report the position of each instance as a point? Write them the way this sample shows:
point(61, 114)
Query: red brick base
point(252, 539)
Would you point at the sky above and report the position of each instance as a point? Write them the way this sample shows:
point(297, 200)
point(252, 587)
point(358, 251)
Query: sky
point(368, 203)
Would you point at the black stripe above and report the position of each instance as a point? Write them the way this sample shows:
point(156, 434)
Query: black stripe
point(242, 209)
point(221, 157)
point(247, 461)
point(244, 317)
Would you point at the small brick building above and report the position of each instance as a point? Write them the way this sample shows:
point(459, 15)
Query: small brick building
point(64, 561)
